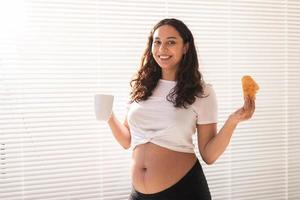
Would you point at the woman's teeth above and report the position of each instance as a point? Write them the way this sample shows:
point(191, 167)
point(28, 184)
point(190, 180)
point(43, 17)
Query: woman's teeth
point(164, 57)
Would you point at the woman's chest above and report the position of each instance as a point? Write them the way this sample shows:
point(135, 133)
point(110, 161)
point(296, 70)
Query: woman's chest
point(158, 113)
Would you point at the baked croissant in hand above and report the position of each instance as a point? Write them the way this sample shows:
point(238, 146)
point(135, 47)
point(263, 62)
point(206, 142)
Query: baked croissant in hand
point(250, 87)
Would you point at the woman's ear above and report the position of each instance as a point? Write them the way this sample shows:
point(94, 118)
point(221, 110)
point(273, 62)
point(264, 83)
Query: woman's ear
point(185, 48)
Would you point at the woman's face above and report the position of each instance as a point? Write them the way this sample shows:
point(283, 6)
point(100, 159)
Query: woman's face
point(168, 47)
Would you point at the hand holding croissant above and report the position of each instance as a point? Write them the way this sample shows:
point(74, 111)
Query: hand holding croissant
point(250, 88)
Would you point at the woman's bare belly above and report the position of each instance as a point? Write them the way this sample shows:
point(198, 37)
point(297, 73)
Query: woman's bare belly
point(155, 168)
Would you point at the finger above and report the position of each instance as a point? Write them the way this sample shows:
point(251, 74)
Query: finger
point(249, 112)
point(246, 98)
point(250, 109)
point(252, 106)
point(247, 103)
point(253, 103)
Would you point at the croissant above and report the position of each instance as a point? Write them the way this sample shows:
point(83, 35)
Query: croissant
point(250, 87)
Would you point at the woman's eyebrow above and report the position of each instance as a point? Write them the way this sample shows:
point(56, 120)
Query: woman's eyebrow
point(167, 38)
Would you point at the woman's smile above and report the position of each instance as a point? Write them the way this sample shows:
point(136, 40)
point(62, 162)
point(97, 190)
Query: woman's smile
point(164, 57)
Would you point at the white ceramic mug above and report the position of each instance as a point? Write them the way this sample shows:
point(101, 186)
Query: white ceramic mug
point(103, 106)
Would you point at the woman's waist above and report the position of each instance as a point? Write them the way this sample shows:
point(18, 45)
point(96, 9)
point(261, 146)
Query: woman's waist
point(154, 157)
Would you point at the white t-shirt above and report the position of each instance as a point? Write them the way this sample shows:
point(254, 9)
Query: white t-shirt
point(156, 120)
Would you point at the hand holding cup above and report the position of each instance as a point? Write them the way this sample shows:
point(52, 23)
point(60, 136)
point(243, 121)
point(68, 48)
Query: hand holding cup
point(103, 106)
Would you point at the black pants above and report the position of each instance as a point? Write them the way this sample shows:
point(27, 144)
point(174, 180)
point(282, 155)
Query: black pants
point(193, 186)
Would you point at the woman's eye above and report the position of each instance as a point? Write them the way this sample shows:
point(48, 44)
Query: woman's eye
point(168, 42)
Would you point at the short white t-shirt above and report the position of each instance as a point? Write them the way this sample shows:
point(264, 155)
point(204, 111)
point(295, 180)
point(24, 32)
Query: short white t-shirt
point(156, 120)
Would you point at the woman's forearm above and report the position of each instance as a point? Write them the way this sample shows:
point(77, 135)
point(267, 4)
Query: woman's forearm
point(217, 145)
point(120, 131)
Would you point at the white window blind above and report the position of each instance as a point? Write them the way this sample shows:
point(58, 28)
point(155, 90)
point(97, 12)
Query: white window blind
point(55, 55)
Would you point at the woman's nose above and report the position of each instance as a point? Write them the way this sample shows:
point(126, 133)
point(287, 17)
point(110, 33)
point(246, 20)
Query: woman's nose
point(163, 47)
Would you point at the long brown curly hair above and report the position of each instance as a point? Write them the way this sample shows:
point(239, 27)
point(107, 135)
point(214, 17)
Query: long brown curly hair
point(189, 79)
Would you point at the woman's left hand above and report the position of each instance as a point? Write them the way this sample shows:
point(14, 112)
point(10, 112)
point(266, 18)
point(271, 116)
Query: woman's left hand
point(244, 113)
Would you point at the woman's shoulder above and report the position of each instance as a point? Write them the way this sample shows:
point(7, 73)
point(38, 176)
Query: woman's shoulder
point(208, 88)
point(207, 95)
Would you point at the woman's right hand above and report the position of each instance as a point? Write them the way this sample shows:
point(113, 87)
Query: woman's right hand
point(244, 113)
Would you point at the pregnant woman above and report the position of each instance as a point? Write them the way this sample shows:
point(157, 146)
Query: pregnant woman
point(169, 102)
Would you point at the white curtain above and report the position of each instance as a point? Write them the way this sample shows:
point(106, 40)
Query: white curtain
point(55, 55)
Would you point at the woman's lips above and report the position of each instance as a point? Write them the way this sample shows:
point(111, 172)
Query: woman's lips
point(164, 57)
